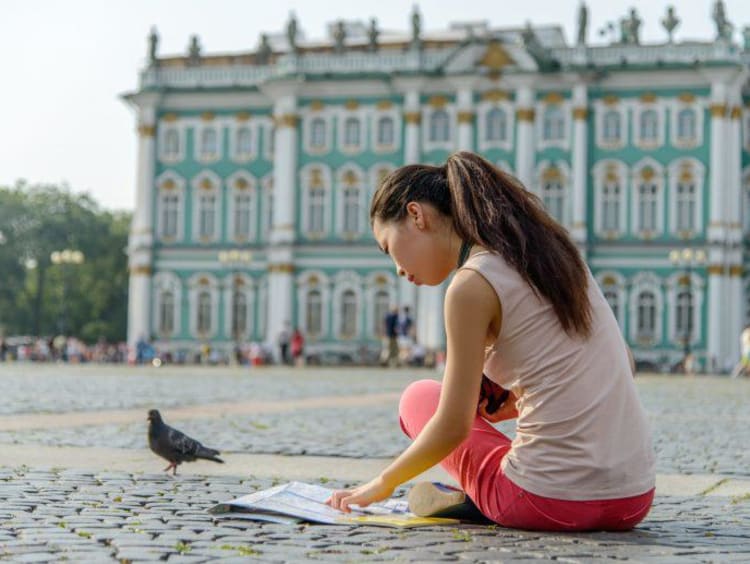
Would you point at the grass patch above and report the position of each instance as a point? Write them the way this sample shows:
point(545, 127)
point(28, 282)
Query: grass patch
point(464, 536)
point(84, 534)
point(740, 498)
point(241, 549)
point(182, 547)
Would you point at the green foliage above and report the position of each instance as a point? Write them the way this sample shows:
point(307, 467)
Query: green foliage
point(38, 220)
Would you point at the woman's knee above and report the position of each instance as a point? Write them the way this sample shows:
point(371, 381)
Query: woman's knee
point(418, 403)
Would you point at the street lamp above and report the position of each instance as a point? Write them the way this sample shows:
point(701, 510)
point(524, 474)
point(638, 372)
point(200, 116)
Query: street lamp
point(235, 260)
point(65, 258)
point(688, 259)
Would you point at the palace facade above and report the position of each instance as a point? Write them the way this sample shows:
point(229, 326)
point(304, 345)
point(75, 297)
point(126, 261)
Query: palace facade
point(255, 172)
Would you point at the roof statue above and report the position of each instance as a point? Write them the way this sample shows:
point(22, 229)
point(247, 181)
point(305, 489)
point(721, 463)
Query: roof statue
point(583, 21)
point(264, 52)
point(670, 22)
point(194, 51)
point(630, 28)
point(291, 33)
point(153, 43)
point(339, 36)
point(724, 27)
point(372, 35)
point(416, 28)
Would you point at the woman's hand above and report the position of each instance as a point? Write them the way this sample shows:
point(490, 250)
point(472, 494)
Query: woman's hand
point(506, 411)
point(364, 495)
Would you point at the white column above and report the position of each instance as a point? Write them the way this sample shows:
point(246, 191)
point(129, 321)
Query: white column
point(525, 114)
point(465, 117)
point(140, 240)
point(717, 226)
point(280, 256)
point(580, 166)
point(412, 154)
point(734, 299)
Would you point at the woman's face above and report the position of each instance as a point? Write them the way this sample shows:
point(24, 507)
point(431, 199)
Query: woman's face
point(418, 248)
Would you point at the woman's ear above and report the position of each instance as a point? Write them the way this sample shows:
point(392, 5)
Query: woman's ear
point(415, 211)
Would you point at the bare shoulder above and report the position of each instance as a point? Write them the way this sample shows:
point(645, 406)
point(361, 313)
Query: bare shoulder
point(469, 291)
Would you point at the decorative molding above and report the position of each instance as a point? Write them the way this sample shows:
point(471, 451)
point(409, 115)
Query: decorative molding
point(145, 130)
point(351, 105)
point(736, 270)
point(208, 116)
point(525, 114)
point(384, 105)
point(495, 58)
point(715, 269)
point(286, 120)
point(283, 268)
point(495, 96)
point(580, 113)
point(140, 271)
point(610, 100)
point(553, 98)
point(648, 97)
point(736, 113)
point(718, 110)
point(317, 105)
point(466, 117)
point(243, 116)
point(412, 117)
point(686, 97)
point(170, 117)
point(437, 101)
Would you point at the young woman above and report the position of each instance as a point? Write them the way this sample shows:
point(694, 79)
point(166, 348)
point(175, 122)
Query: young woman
point(524, 309)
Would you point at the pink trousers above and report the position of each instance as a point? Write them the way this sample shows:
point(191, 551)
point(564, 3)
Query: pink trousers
point(475, 465)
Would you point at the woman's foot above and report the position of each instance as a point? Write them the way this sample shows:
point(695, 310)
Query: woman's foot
point(430, 499)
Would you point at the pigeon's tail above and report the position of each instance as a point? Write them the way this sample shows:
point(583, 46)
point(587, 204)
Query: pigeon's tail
point(209, 454)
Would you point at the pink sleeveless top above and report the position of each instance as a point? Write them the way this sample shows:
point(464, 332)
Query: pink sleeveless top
point(581, 432)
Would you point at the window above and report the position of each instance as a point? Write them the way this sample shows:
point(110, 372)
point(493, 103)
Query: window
point(209, 144)
point(244, 142)
point(314, 313)
point(611, 205)
point(170, 207)
point(269, 207)
point(239, 314)
point(382, 306)
point(206, 216)
point(647, 206)
point(242, 215)
point(351, 133)
point(440, 129)
point(171, 143)
point(270, 142)
point(646, 316)
point(612, 127)
point(318, 134)
point(684, 316)
point(649, 124)
point(686, 126)
point(553, 123)
point(204, 313)
point(166, 313)
point(685, 206)
point(386, 130)
point(348, 327)
point(351, 209)
point(317, 210)
point(496, 125)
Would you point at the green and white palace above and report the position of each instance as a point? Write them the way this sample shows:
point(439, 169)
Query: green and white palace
point(255, 172)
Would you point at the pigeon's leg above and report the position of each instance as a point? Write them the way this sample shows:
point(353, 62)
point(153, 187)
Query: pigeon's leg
point(174, 469)
point(168, 468)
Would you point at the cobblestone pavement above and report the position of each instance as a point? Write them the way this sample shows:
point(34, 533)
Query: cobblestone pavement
point(701, 425)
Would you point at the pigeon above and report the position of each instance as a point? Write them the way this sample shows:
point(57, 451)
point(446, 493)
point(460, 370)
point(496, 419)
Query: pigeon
point(175, 446)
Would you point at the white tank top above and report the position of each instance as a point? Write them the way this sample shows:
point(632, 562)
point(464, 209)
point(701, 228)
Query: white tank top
point(581, 432)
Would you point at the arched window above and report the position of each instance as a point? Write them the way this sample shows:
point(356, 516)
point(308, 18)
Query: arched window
point(351, 209)
point(316, 211)
point(613, 299)
point(386, 131)
point(166, 313)
point(170, 207)
point(647, 205)
point(239, 314)
point(646, 316)
point(611, 205)
point(382, 306)
point(553, 123)
point(209, 148)
point(244, 142)
point(351, 132)
point(553, 193)
point(171, 143)
point(206, 215)
point(440, 128)
point(649, 126)
point(348, 306)
point(242, 215)
point(204, 313)
point(318, 133)
point(685, 204)
point(314, 313)
point(612, 127)
point(269, 206)
point(684, 315)
point(686, 127)
point(496, 125)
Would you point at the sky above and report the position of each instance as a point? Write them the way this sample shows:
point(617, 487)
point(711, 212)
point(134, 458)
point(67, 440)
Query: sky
point(66, 63)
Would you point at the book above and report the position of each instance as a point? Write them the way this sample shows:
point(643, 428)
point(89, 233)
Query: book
point(297, 502)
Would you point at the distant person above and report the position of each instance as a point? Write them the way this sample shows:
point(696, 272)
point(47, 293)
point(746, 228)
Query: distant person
point(743, 366)
point(3, 349)
point(283, 340)
point(297, 347)
point(523, 309)
point(389, 355)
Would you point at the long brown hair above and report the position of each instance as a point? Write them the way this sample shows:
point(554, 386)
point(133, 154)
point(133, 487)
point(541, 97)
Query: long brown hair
point(491, 208)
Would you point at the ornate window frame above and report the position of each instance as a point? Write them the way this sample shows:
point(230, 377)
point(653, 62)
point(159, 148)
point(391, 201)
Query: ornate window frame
point(169, 183)
point(559, 170)
point(350, 176)
point(197, 283)
point(483, 110)
point(639, 109)
point(675, 171)
point(234, 130)
point(428, 113)
point(613, 280)
point(647, 169)
point(375, 282)
point(601, 108)
point(675, 284)
point(604, 171)
point(206, 182)
point(346, 280)
point(165, 127)
point(343, 116)
point(327, 116)
point(642, 282)
point(308, 181)
point(245, 285)
point(564, 108)
point(266, 126)
point(376, 116)
point(242, 182)
point(267, 202)
point(199, 130)
point(677, 107)
point(307, 281)
point(165, 281)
